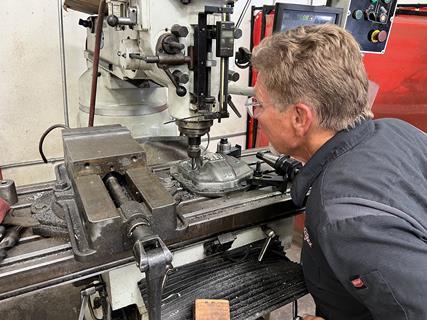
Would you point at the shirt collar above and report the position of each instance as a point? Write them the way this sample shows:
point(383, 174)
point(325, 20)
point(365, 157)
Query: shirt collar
point(339, 144)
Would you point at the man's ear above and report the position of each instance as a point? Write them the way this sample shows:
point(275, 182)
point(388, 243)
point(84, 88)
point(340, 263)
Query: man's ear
point(302, 118)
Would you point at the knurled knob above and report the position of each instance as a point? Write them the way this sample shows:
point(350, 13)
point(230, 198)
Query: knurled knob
point(357, 14)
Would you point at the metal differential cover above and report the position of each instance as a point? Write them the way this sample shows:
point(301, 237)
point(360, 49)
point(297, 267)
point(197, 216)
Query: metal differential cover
point(217, 175)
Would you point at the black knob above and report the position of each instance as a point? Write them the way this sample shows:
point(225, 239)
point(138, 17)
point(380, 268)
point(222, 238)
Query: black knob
point(179, 31)
point(233, 76)
point(85, 23)
point(243, 58)
point(112, 21)
point(180, 77)
point(238, 33)
point(176, 45)
point(181, 91)
point(171, 45)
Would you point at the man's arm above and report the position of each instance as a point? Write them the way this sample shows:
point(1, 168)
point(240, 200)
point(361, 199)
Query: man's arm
point(379, 258)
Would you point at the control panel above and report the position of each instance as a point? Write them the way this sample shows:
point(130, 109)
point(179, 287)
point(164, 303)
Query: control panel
point(369, 21)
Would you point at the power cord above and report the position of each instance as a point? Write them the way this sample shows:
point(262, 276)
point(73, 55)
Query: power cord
point(44, 135)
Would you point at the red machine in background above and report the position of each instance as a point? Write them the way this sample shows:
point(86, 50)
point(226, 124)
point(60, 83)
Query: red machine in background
point(401, 72)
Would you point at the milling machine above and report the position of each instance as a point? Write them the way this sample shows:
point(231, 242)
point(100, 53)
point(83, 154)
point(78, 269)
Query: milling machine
point(198, 224)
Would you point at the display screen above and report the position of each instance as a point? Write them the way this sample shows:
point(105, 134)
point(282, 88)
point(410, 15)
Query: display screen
point(293, 19)
point(227, 33)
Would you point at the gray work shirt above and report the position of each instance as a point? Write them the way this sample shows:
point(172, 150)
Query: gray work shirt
point(365, 238)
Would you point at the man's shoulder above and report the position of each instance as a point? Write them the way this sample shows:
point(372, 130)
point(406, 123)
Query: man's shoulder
point(397, 124)
point(376, 166)
point(387, 171)
point(399, 133)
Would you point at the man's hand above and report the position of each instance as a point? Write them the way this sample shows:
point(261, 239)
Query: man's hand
point(312, 318)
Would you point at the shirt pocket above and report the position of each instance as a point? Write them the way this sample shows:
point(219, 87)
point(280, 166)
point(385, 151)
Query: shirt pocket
point(378, 297)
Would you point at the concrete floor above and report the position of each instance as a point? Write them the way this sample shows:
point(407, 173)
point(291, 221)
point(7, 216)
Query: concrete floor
point(305, 304)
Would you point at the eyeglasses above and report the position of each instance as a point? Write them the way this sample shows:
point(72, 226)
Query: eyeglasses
point(254, 107)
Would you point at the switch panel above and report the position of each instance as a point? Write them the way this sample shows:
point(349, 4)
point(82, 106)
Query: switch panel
point(369, 21)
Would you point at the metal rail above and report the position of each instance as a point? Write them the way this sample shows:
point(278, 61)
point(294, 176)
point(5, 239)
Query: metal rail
point(30, 163)
point(63, 67)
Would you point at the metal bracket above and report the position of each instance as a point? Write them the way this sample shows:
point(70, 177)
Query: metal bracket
point(221, 244)
point(85, 296)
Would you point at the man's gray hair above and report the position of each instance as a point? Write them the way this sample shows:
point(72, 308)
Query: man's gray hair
point(320, 66)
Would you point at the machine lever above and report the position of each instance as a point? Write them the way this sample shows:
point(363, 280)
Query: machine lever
point(85, 300)
point(130, 20)
point(270, 235)
point(180, 90)
point(153, 258)
point(233, 106)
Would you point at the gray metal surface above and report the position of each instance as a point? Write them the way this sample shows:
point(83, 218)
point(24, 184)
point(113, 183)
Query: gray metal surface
point(122, 99)
point(150, 191)
point(218, 175)
point(62, 302)
point(160, 150)
point(99, 150)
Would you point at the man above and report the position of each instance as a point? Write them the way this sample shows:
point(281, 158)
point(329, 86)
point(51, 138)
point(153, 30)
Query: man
point(365, 249)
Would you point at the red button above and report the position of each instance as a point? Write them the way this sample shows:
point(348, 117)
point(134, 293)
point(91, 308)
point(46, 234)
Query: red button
point(357, 283)
point(382, 36)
